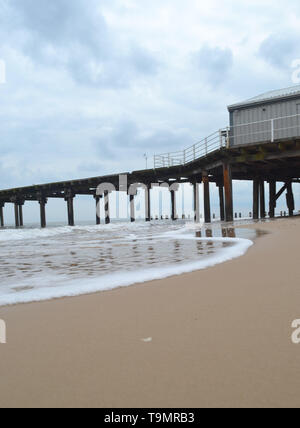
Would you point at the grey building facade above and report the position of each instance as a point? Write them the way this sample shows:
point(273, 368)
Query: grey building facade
point(269, 117)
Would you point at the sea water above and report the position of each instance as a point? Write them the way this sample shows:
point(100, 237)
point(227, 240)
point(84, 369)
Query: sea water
point(41, 264)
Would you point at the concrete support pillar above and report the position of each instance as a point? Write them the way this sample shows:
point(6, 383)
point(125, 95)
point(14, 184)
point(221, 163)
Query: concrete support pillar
point(196, 203)
point(221, 200)
point(1, 214)
point(228, 192)
point(207, 212)
point(173, 205)
point(290, 199)
point(255, 199)
point(43, 201)
point(272, 206)
point(106, 207)
point(148, 202)
point(262, 199)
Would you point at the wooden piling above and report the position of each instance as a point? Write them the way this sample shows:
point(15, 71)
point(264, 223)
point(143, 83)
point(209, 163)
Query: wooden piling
point(1, 214)
point(148, 203)
point(207, 212)
point(228, 192)
point(98, 218)
point(255, 199)
point(43, 201)
point(106, 207)
point(196, 203)
point(272, 205)
point(21, 221)
point(290, 199)
point(222, 203)
point(173, 205)
point(262, 199)
point(69, 198)
point(17, 220)
point(132, 208)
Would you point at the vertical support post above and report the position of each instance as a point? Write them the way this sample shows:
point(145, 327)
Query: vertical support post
point(69, 198)
point(98, 218)
point(262, 199)
point(228, 192)
point(106, 207)
point(132, 208)
point(148, 202)
point(255, 199)
point(17, 220)
point(173, 205)
point(272, 187)
point(196, 203)
point(1, 214)
point(222, 203)
point(43, 201)
point(207, 213)
point(21, 215)
point(290, 199)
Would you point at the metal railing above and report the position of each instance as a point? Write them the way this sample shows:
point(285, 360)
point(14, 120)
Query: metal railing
point(201, 149)
point(244, 134)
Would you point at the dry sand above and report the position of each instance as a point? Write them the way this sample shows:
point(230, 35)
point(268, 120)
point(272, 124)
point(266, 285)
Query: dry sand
point(220, 338)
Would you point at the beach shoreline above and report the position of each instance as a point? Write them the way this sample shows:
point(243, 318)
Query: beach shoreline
point(220, 337)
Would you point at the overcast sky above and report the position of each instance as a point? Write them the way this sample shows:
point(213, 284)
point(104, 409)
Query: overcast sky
point(93, 85)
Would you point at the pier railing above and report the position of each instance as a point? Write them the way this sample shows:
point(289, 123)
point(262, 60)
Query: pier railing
point(209, 144)
point(270, 130)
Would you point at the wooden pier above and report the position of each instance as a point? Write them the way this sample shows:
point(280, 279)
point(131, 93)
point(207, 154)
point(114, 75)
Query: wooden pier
point(264, 151)
point(275, 163)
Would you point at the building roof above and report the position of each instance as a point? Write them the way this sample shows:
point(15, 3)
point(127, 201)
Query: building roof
point(268, 96)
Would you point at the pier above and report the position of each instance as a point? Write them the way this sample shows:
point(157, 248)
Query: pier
point(264, 151)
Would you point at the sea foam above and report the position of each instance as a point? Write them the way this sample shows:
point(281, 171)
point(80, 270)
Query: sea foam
point(43, 282)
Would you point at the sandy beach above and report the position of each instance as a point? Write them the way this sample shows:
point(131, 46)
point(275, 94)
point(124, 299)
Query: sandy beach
point(221, 337)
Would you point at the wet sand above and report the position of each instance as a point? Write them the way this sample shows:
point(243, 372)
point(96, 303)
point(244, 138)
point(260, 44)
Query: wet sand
point(220, 338)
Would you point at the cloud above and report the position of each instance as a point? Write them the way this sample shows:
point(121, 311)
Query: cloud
point(74, 35)
point(92, 86)
point(280, 49)
point(214, 63)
